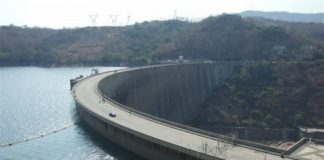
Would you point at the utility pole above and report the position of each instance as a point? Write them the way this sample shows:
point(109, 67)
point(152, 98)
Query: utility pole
point(265, 156)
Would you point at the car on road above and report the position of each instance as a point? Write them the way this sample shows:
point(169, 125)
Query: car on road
point(112, 114)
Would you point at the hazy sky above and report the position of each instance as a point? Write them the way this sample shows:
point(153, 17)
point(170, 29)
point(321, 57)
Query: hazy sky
point(75, 13)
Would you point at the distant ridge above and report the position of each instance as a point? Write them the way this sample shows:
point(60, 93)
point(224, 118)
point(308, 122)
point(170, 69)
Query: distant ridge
point(286, 16)
point(222, 38)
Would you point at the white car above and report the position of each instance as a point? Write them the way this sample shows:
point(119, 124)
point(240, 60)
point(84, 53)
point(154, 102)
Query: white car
point(112, 114)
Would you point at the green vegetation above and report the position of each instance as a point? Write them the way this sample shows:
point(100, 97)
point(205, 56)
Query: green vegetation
point(225, 37)
point(276, 91)
point(268, 94)
point(286, 16)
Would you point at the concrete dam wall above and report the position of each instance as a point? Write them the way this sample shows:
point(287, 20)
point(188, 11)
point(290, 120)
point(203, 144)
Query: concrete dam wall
point(174, 92)
point(154, 98)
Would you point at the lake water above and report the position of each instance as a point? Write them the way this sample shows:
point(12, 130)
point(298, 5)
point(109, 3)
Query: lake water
point(38, 116)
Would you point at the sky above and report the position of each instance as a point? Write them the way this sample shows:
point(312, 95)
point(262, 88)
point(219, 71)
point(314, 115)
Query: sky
point(78, 13)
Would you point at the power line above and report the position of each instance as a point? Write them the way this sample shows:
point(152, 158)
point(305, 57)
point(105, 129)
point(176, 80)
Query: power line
point(93, 18)
point(113, 18)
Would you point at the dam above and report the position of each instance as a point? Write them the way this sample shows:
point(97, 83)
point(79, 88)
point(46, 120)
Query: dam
point(144, 110)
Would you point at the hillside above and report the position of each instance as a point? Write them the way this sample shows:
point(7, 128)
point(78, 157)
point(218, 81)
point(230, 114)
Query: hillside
point(286, 78)
point(86, 46)
point(18, 45)
point(286, 16)
point(268, 94)
point(225, 37)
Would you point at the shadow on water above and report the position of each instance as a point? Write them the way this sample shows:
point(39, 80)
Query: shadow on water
point(109, 147)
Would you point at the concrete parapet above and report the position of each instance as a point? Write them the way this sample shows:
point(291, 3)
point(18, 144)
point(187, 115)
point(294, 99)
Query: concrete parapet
point(165, 95)
point(312, 133)
point(171, 94)
point(318, 141)
point(150, 148)
point(256, 134)
point(292, 148)
point(235, 141)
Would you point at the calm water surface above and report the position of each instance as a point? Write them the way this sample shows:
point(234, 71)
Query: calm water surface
point(36, 101)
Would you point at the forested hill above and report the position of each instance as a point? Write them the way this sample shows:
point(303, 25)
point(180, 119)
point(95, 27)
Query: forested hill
point(225, 37)
point(287, 16)
point(268, 95)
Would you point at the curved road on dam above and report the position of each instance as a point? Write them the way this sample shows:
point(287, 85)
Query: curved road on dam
point(85, 92)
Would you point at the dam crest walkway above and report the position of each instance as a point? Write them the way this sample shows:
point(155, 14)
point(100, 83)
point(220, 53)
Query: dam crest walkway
point(86, 93)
